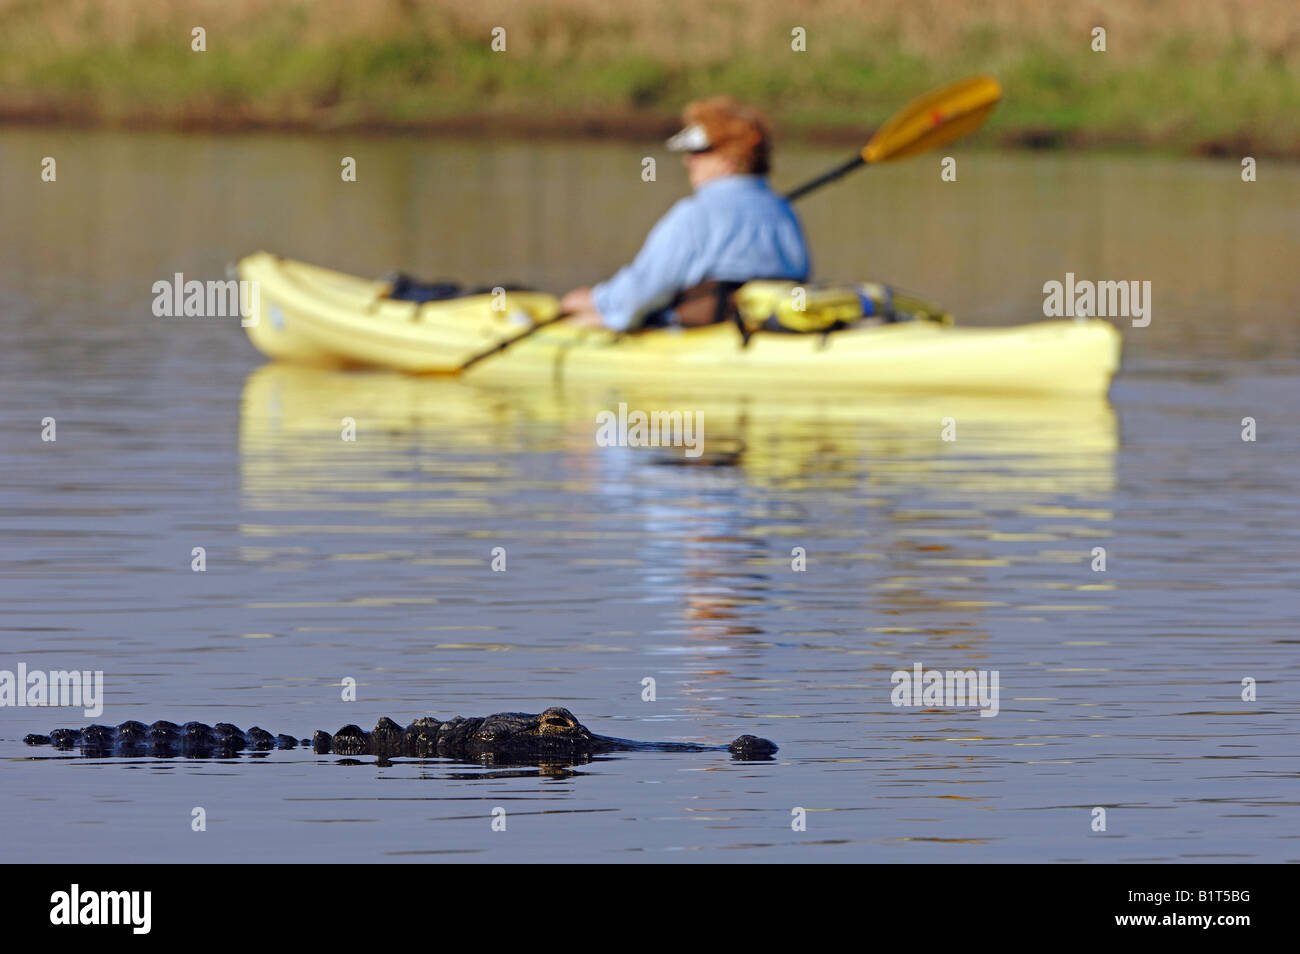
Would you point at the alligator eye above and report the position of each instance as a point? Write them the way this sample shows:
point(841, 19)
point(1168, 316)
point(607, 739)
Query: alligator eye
point(558, 722)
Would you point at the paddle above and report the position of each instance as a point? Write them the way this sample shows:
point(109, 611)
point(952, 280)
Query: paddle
point(934, 119)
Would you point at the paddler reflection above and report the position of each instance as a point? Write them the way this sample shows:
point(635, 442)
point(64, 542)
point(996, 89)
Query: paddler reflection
point(882, 503)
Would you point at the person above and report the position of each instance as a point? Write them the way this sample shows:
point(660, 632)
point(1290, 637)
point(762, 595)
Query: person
point(732, 229)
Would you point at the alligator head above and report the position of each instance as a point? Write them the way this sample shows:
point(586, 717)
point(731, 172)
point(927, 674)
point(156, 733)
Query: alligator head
point(556, 731)
point(554, 736)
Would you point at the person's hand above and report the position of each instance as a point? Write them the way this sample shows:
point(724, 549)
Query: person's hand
point(577, 301)
point(581, 310)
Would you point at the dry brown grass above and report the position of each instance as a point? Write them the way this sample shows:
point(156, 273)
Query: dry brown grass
point(686, 30)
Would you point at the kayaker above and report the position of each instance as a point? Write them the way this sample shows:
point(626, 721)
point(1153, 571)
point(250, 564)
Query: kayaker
point(733, 229)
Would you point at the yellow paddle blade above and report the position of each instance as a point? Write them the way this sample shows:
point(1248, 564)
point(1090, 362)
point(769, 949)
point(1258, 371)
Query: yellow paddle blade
point(934, 119)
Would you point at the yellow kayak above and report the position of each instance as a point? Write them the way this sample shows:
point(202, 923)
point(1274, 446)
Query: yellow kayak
point(311, 315)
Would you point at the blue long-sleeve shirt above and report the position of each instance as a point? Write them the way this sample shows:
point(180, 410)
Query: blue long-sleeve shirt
point(732, 229)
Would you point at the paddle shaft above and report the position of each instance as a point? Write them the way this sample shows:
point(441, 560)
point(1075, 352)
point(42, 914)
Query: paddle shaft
point(825, 178)
point(502, 345)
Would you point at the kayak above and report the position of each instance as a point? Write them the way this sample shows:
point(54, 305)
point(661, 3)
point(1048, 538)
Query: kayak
point(311, 315)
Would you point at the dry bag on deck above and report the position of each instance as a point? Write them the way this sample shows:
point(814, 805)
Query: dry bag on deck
point(806, 308)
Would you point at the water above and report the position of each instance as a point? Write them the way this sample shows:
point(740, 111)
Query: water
point(1120, 689)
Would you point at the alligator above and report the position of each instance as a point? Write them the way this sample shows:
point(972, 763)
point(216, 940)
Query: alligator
point(553, 735)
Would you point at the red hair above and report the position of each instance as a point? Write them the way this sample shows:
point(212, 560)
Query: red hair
point(737, 131)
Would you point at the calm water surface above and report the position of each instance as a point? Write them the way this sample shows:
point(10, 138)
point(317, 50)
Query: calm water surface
point(371, 560)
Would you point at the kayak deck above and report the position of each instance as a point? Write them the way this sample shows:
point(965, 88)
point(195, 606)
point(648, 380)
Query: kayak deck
point(313, 315)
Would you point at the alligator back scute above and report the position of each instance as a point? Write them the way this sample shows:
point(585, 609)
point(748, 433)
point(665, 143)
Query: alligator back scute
point(454, 736)
point(163, 732)
point(350, 740)
point(97, 736)
point(386, 739)
point(420, 738)
point(132, 732)
point(259, 740)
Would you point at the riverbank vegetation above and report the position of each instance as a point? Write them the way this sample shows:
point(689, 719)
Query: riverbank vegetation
point(1190, 75)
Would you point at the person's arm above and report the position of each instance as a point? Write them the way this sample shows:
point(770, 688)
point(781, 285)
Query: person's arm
point(655, 276)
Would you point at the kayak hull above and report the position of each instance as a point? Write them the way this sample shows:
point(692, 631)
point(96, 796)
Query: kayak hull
point(312, 315)
point(1051, 357)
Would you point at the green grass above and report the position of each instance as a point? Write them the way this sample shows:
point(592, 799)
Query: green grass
point(1167, 80)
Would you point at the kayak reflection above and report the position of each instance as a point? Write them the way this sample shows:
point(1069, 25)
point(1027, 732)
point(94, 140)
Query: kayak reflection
point(908, 504)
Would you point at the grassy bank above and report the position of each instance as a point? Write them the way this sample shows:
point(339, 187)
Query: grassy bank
point(1191, 75)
